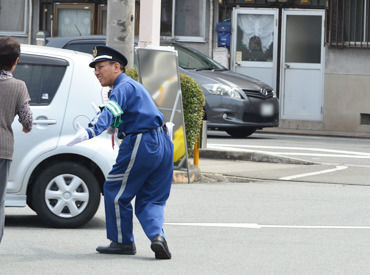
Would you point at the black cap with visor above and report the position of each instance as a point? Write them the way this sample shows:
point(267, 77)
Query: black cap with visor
point(103, 53)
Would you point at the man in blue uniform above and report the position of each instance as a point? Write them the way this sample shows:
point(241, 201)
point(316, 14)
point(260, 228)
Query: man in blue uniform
point(144, 165)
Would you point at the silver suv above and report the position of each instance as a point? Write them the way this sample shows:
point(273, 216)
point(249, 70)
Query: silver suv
point(63, 184)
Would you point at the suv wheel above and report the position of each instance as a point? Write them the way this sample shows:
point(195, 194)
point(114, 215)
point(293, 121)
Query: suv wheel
point(66, 195)
point(240, 132)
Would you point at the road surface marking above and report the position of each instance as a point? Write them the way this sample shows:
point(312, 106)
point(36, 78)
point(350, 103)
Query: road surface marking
point(338, 168)
point(330, 152)
point(260, 226)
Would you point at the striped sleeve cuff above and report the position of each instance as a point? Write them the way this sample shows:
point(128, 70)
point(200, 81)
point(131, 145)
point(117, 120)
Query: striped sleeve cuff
point(91, 132)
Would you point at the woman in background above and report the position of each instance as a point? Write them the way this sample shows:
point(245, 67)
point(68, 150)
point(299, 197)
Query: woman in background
point(14, 100)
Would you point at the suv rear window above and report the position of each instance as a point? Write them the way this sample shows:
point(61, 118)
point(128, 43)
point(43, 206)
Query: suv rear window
point(42, 75)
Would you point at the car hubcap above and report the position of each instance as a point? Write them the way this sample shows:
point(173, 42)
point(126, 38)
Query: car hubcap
point(66, 196)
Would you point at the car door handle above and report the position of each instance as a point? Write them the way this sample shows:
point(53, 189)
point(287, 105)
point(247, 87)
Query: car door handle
point(44, 122)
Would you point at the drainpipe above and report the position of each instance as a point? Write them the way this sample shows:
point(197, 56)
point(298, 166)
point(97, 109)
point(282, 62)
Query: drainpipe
point(210, 42)
point(30, 22)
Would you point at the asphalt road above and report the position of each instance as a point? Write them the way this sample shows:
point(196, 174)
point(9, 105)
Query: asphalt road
point(335, 160)
point(237, 228)
point(252, 225)
point(321, 149)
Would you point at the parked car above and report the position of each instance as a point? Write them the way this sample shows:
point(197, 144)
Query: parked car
point(235, 103)
point(63, 184)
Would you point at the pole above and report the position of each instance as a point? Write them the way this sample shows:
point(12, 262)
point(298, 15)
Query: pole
point(121, 27)
point(210, 40)
point(150, 23)
point(196, 153)
point(30, 22)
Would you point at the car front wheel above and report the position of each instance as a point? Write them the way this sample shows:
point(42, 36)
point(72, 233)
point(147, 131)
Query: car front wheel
point(240, 132)
point(66, 195)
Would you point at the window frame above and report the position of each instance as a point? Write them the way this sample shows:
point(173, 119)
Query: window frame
point(184, 38)
point(338, 24)
point(25, 24)
point(35, 59)
point(101, 8)
point(76, 6)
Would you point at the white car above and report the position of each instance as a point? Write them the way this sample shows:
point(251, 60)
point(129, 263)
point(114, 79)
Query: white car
point(63, 184)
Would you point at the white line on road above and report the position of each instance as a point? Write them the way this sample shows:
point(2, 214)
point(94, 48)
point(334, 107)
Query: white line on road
point(260, 226)
point(334, 152)
point(292, 148)
point(322, 155)
point(356, 155)
point(338, 168)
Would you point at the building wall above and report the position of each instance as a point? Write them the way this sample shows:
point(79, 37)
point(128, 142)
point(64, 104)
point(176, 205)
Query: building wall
point(346, 93)
point(27, 38)
point(347, 89)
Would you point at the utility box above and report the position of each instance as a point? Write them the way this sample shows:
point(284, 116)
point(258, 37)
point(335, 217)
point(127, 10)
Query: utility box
point(223, 30)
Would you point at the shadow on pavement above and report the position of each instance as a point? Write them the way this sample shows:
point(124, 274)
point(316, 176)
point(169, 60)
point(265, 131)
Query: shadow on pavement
point(35, 222)
point(227, 137)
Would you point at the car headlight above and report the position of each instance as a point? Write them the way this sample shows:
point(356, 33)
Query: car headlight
point(224, 90)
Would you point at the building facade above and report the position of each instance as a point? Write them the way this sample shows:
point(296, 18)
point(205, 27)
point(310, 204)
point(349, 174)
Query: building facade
point(314, 53)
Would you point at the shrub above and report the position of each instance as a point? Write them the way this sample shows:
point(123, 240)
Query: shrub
point(132, 72)
point(193, 102)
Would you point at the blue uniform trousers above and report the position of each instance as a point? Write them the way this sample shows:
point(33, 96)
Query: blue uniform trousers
point(143, 169)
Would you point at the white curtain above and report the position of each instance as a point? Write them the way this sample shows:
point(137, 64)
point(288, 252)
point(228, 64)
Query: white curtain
point(260, 25)
point(74, 22)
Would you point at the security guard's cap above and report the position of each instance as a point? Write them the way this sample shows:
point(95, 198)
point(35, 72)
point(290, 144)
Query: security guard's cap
point(102, 53)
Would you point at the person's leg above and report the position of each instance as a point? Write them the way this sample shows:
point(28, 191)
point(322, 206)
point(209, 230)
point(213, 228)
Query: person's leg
point(118, 208)
point(4, 170)
point(151, 199)
point(123, 182)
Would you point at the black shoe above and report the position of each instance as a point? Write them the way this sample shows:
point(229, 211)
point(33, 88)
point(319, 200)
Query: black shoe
point(160, 248)
point(117, 248)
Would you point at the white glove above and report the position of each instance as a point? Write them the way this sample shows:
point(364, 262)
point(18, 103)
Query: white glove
point(80, 136)
point(169, 126)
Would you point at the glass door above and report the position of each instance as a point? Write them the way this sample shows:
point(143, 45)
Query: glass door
point(302, 64)
point(254, 43)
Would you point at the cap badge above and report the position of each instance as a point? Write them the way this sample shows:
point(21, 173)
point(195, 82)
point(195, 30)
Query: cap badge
point(95, 52)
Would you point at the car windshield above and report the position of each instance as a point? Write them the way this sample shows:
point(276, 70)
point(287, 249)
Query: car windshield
point(190, 59)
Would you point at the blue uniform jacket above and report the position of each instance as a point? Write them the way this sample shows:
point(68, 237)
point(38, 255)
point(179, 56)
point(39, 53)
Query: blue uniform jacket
point(130, 108)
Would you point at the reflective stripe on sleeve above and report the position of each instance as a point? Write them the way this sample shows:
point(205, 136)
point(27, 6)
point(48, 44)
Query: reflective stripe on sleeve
point(114, 108)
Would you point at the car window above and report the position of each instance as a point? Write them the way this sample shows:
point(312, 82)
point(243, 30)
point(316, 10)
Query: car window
point(192, 59)
point(86, 47)
point(42, 76)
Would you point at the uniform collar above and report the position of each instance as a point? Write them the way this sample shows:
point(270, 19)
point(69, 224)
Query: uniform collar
point(120, 78)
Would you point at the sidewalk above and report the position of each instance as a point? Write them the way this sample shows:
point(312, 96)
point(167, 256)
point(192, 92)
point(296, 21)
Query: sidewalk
point(229, 166)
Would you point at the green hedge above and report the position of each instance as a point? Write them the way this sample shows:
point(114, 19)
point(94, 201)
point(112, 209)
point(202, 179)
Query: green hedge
point(193, 102)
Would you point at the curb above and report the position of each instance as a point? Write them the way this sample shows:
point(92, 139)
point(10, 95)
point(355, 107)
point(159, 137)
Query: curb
point(181, 176)
point(250, 156)
point(195, 175)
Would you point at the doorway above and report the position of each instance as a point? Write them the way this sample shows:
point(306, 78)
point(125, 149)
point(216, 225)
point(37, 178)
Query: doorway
point(254, 43)
point(302, 64)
